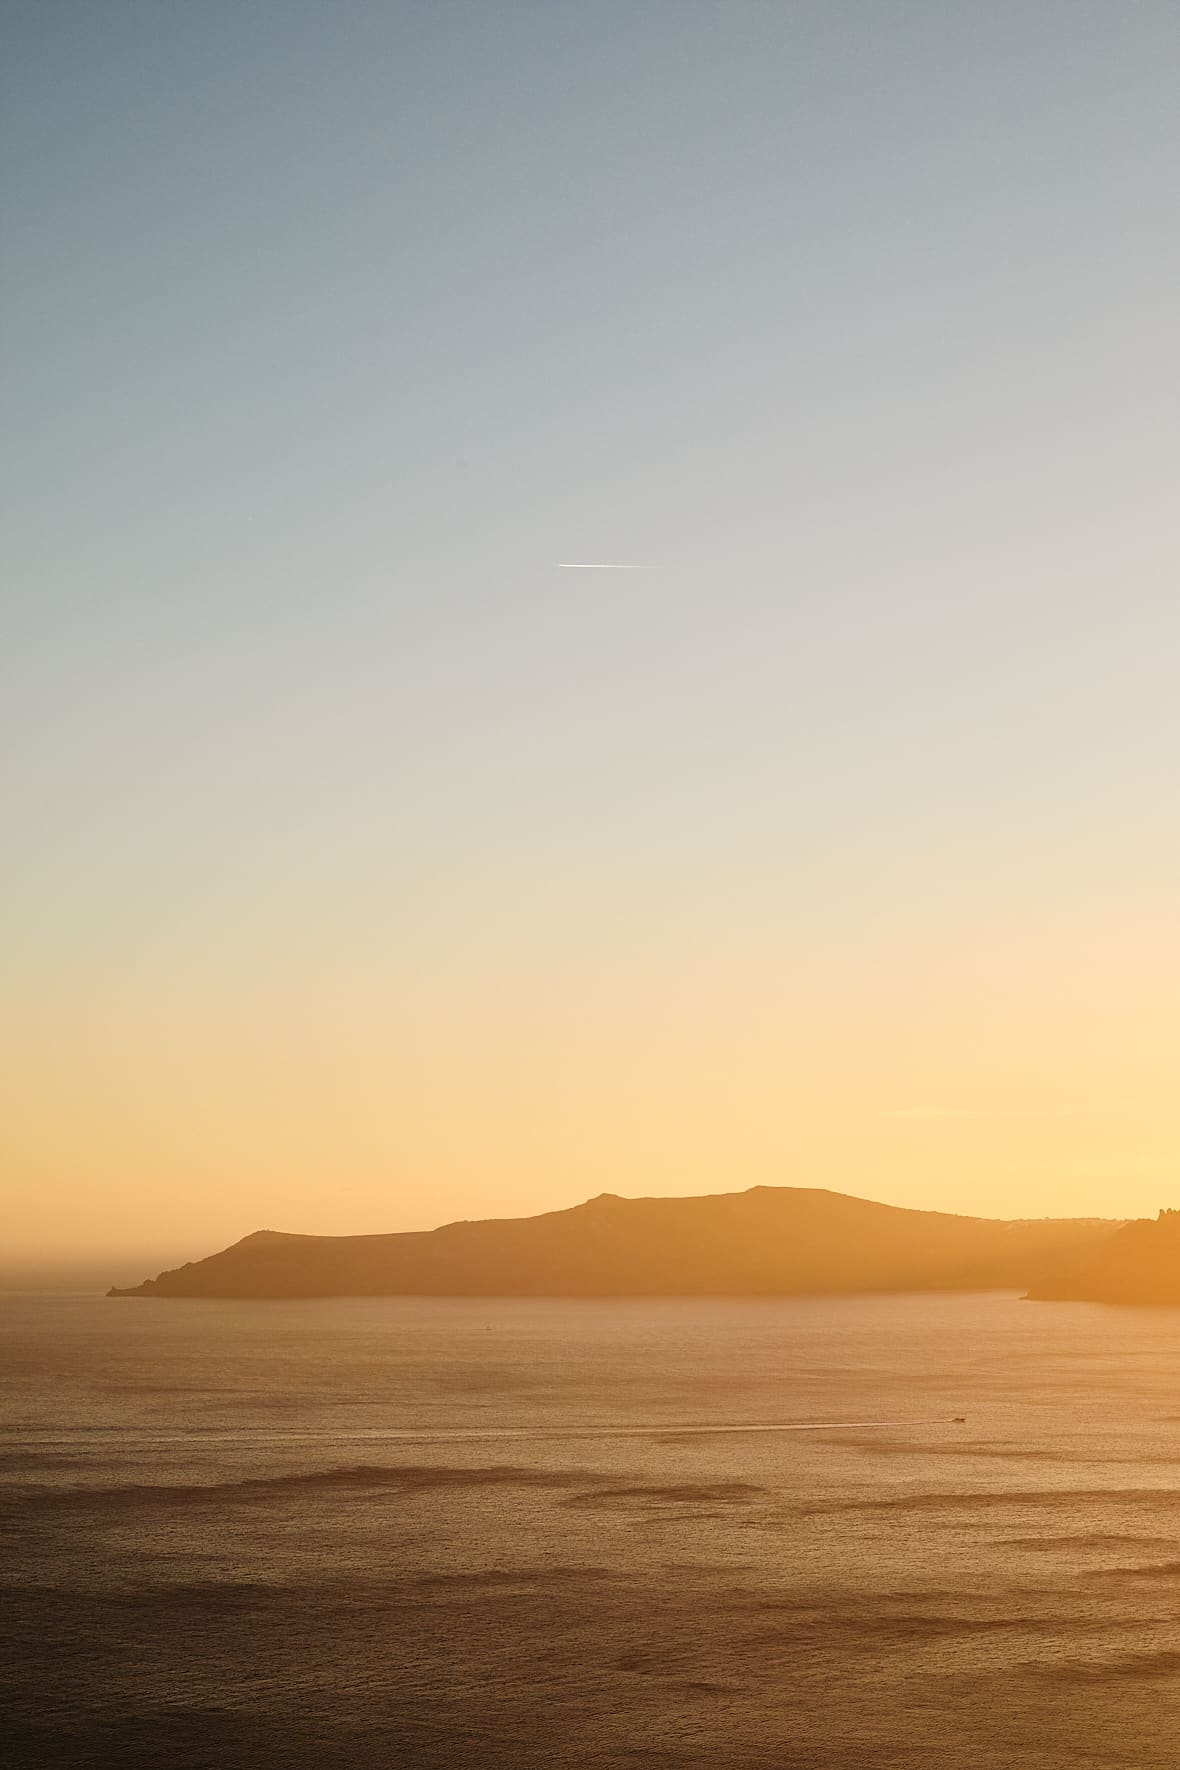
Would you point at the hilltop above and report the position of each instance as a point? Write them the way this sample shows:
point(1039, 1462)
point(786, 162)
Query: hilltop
point(769, 1241)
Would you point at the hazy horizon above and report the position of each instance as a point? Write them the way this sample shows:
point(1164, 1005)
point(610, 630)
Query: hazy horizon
point(125, 1263)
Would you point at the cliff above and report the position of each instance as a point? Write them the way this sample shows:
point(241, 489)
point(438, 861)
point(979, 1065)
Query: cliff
point(1140, 1263)
point(769, 1241)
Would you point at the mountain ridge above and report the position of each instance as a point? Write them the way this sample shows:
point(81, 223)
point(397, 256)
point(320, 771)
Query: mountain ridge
point(766, 1241)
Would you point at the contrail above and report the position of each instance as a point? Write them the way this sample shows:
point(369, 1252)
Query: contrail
point(594, 565)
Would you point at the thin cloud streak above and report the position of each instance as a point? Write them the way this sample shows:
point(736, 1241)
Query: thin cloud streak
point(970, 1112)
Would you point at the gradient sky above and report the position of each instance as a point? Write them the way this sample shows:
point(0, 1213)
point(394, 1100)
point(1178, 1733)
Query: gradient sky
point(364, 870)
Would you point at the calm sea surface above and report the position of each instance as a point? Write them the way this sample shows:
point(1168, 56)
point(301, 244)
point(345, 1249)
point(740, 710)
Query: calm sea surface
point(431, 1533)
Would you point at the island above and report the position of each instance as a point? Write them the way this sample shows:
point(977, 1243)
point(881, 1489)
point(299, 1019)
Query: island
point(767, 1241)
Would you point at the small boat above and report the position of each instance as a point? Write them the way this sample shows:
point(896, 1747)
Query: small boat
point(958, 1419)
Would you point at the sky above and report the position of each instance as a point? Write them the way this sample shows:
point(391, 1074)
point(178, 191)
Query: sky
point(364, 868)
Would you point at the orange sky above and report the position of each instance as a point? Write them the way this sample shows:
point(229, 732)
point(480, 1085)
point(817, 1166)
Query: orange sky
point(978, 1061)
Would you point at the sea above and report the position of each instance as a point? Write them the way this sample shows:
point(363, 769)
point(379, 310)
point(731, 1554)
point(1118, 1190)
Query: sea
point(795, 1534)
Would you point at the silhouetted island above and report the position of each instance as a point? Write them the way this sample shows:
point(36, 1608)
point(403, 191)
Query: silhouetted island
point(769, 1241)
point(1139, 1263)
